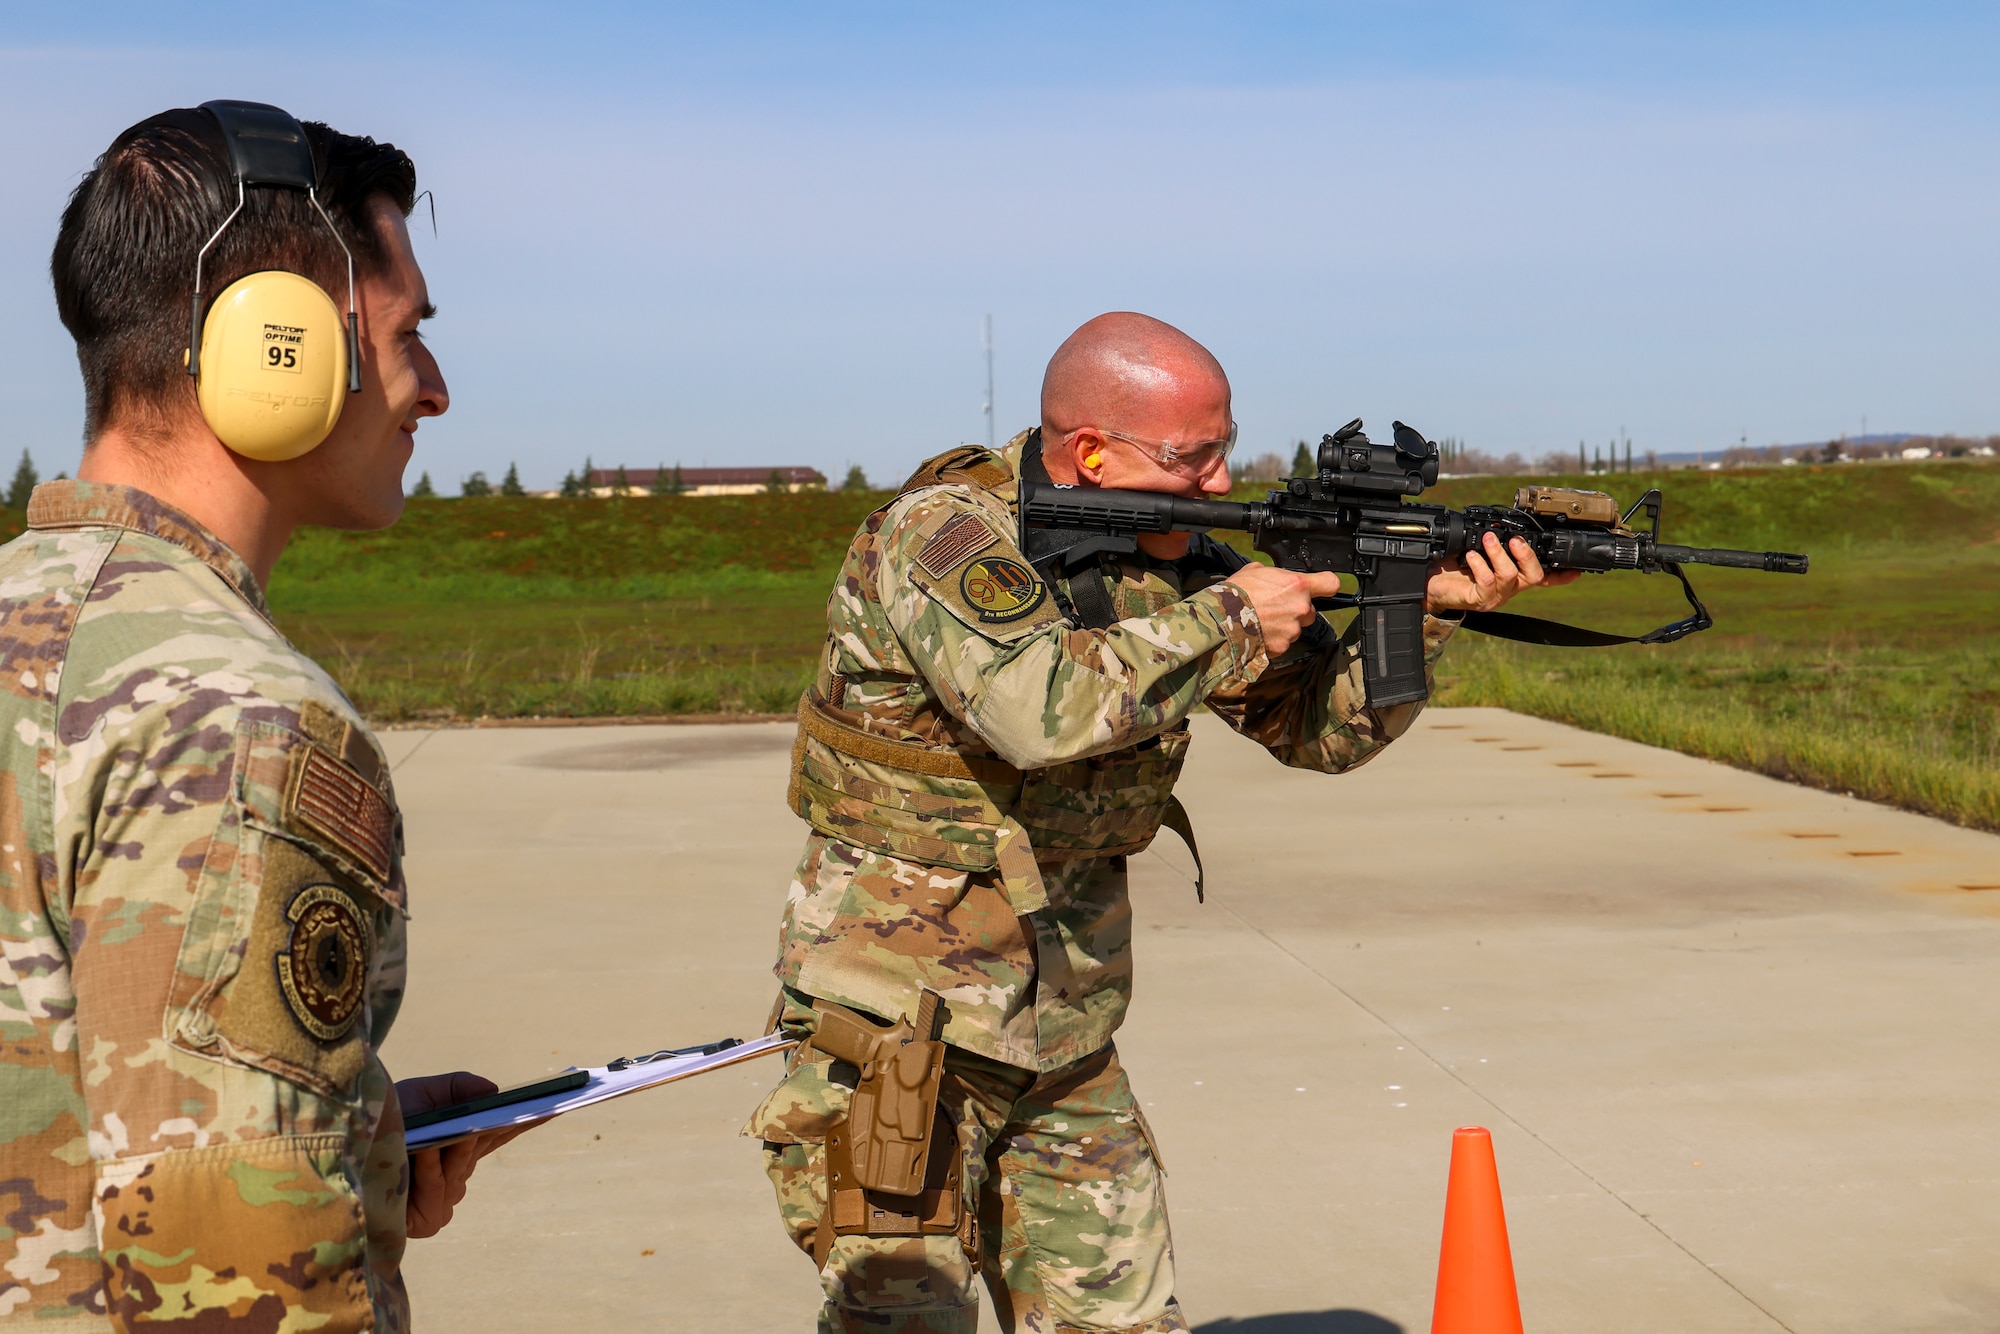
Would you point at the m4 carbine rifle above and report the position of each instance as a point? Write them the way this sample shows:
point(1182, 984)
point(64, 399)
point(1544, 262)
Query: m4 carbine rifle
point(1354, 518)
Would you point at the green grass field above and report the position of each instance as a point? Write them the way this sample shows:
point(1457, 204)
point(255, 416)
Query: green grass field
point(509, 608)
point(1878, 673)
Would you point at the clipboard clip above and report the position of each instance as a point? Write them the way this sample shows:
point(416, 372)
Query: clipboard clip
point(669, 1053)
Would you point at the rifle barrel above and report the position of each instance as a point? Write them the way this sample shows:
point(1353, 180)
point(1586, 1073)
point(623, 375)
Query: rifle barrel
point(1771, 562)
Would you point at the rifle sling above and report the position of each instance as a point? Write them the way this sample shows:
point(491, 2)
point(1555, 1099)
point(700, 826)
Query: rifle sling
point(1091, 596)
point(1555, 634)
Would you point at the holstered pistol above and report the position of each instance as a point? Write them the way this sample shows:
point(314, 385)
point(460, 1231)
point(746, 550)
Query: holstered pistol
point(892, 1115)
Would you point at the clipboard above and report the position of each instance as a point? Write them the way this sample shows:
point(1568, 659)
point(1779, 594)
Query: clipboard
point(576, 1088)
point(562, 1083)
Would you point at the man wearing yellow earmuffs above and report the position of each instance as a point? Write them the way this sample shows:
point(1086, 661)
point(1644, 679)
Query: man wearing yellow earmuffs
point(201, 887)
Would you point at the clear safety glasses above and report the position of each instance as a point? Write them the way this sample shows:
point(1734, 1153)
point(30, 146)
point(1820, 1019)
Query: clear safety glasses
point(1196, 458)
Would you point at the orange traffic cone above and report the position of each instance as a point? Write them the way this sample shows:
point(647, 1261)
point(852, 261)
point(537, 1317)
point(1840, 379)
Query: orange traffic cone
point(1475, 1292)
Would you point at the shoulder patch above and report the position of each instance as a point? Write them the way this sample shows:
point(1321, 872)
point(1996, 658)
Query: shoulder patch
point(950, 549)
point(298, 1006)
point(1000, 589)
point(323, 969)
point(330, 800)
point(964, 537)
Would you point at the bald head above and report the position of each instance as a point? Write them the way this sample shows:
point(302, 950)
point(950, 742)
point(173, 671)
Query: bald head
point(1131, 372)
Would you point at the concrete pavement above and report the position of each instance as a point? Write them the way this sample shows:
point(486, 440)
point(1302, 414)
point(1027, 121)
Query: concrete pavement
point(1736, 1040)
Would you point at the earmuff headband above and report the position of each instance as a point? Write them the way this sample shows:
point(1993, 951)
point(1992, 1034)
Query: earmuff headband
point(267, 147)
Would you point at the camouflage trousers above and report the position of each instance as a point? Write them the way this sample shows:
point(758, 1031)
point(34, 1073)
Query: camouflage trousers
point(1059, 1169)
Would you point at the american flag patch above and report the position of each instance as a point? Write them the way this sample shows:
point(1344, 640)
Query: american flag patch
point(954, 544)
point(333, 801)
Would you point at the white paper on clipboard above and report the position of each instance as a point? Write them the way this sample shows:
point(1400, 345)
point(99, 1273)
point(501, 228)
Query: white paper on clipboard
point(605, 1084)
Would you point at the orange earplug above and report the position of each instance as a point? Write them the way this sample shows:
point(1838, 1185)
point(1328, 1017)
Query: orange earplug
point(1092, 460)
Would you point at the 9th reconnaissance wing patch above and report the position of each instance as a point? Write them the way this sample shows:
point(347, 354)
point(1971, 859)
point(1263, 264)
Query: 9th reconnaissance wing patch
point(955, 543)
point(323, 970)
point(1000, 589)
point(963, 562)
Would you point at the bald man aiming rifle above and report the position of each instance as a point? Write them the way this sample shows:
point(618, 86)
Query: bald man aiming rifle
point(992, 732)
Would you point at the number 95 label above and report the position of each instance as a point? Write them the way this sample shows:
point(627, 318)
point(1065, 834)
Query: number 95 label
point(284, 348)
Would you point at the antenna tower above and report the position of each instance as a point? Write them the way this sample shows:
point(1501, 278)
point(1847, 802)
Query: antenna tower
point(987, 407)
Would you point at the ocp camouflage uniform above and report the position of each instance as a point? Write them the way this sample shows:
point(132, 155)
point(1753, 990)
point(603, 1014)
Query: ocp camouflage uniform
point(992, 732)
point(201, 945)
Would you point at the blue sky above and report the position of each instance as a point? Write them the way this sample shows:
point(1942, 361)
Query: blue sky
point(767, 233)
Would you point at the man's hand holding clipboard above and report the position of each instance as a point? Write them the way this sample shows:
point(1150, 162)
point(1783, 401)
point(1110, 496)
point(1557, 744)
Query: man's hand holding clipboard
point(438, 1175)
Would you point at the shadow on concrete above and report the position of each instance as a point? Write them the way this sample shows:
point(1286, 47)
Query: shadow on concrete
point(1304, 1322)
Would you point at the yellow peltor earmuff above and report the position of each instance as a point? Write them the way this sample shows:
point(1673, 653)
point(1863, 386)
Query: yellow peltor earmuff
point(272, 363)
point(273, 366)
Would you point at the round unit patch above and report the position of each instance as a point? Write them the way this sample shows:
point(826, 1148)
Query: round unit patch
point(325, 971)
point(999, 588)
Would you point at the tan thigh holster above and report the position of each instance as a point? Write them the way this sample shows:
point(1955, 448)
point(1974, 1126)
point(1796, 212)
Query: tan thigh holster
point(894, 1166)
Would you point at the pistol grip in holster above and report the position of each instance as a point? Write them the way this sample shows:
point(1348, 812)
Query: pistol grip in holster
point(889, 1118)
point(892, 1163)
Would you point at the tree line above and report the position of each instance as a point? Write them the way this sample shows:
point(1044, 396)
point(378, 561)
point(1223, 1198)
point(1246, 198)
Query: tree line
point(1844, 450)
point(575, 485)
point(1453, 453)
point(475, 485)
point(667, 482)
point(1456, 458)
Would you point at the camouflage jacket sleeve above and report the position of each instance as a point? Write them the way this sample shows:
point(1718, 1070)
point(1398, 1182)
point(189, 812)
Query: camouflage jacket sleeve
point(983, 630)
point(234, 1127)
point(223, 877)
point(1309, 709)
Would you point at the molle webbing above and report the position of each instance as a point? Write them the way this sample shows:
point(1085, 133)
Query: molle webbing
point(968, 465)
point(978, 814)
point(907, 800)
point(862, 745)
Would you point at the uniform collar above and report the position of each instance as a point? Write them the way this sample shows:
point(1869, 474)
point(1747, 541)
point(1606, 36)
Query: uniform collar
point(73, 504)
point(1027, 442)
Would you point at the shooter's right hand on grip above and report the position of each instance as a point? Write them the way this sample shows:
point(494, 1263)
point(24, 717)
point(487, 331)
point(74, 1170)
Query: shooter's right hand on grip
point(1283, 601)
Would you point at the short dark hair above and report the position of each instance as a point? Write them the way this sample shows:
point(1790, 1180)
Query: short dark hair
point(124, 258)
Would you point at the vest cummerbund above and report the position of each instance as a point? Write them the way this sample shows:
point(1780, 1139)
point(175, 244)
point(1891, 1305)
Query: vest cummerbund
point(949, 810)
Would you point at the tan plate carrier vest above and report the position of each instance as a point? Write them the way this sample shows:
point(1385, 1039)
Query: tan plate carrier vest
point(973, 813)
